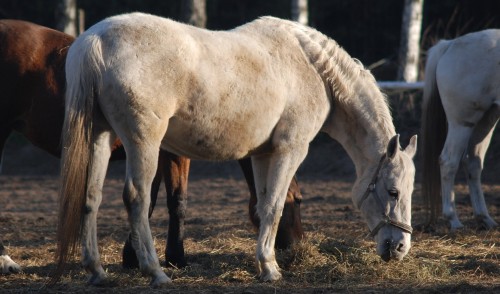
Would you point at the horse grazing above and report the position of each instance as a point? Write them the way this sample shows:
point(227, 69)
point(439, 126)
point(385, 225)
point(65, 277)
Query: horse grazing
point(262, 90)
point(32, 60)
point(461, 104)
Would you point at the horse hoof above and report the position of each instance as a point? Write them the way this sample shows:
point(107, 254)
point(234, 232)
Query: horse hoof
point(160, 281)
point(487, 223)
point(455, 226)
point(271, 276)
point(99, 280)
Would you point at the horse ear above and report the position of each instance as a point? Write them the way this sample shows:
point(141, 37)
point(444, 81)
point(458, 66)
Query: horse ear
point(393, 147)
point(411, 149)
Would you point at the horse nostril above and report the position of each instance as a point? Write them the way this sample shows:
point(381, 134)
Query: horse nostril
point(14, 269)
point(398, 246)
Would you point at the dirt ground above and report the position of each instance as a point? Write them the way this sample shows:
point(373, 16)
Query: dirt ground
point(220, 242)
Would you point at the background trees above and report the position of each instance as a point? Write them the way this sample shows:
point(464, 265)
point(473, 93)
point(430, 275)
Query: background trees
point(368, 30)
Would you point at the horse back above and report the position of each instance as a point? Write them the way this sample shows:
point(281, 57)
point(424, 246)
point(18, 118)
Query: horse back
point(32, 68)
point(470, 68)
point(226, 94)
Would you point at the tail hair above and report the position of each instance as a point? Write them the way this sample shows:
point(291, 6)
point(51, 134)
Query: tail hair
point(433, 131)
point(84, 64)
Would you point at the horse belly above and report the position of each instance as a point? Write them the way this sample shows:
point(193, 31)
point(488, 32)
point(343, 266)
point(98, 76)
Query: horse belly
point(215, 142)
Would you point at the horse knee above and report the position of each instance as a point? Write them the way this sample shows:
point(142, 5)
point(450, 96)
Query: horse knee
point(448, 167)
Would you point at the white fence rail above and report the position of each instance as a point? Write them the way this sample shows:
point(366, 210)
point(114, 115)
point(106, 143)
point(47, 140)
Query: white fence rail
point(401, 86)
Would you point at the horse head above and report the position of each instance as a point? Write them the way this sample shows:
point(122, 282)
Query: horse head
point(386, 201)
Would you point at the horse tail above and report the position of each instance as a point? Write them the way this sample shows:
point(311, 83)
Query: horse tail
point(434, 129)
point(83, 75)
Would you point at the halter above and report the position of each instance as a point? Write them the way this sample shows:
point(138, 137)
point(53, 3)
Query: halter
point(386, 220)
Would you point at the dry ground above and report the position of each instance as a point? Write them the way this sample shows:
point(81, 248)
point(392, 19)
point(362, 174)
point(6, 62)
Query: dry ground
point(336, 257)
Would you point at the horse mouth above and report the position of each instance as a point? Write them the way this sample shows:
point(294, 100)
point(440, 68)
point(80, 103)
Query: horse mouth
point(389, 255)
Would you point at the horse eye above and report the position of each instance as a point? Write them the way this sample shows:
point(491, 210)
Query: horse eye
point(394, 194)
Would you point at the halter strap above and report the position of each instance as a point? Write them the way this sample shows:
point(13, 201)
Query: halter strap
point(386, 220)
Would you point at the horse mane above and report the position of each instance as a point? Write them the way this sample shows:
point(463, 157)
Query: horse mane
point(342, 73)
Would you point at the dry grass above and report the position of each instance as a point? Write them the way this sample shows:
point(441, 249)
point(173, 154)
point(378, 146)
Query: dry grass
point(337, 255)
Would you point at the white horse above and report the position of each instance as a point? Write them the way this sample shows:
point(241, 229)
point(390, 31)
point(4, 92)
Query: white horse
point(7, 265)
point(461, 104)
point(262, 90)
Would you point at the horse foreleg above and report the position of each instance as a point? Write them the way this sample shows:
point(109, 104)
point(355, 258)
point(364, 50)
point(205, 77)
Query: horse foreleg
point(129, 258)
point(473, 164)
point(449, 160)
point(96, 175)
point(272, 173)
point(142, 161)
point(176, 172)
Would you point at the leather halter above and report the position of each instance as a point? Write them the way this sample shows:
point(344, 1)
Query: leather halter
point(386, 220)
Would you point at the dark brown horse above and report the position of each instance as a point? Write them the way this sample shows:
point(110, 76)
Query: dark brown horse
point(32, 61)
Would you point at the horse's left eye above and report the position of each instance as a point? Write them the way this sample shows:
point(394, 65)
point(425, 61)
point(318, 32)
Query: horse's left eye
point(394, 194)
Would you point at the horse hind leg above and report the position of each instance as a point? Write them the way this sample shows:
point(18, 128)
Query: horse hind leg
point(175, 170)
point(449, 160)
point(129, 258)
point(290, 229)
point(96, 175)
point(473, 164)
point(142, 160)
point(273, 173)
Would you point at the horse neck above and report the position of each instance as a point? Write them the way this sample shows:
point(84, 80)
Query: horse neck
point(363, 125)
point(360, 119)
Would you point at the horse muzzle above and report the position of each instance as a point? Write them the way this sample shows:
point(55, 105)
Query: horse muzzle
point(393, 249)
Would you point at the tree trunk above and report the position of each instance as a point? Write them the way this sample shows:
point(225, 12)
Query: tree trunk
point(409, 49)
point(300, 11)
point(193, 12)
point(66, 17)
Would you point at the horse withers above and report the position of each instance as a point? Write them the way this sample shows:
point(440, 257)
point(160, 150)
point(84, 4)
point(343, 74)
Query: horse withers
point(459, 113)
point(262, 90)
point(32, 60)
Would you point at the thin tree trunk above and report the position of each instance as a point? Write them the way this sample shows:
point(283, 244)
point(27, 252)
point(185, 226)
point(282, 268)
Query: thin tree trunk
point(66, 17)
point(194, 12)
point(409, 49)
point(300, 11)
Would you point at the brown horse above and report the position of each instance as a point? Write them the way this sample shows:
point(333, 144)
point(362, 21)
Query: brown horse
point(32, 61)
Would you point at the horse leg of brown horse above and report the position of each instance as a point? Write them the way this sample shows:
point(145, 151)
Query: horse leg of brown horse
point(176, 172)
point(290, 227)
point(4, 134)
point(7, 265)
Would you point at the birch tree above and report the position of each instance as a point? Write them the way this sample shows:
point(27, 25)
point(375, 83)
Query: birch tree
point(409, 49)
point(300, 11)
point(66, 17)
point(193, 12)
